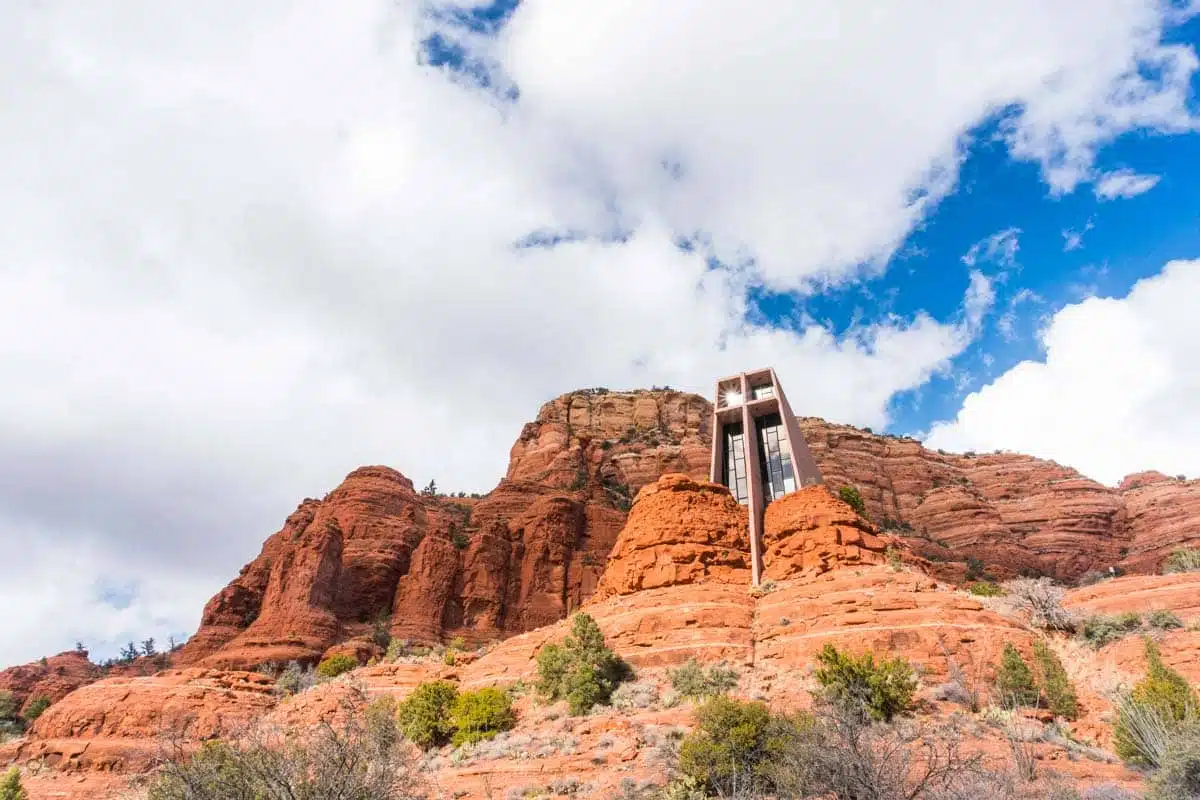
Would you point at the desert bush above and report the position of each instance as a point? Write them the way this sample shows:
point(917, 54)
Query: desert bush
point(1182, 560)
point(424, 716)
point(8, 706)
point(1043, 600)
point(1014, 679)
point(337, 664)
point(1163, 620)
point(851, 497)
point(348, 762)
point(1178, 775)
point(1099, 630)
point(985, 589)
point(582, 670)
point(1159, 704)
point(694, 681)
point(642, 694)
point(882, 690)
point(480, 715)
point(1054, 683)
point(295, 679)
point(733, 744)
point(10, 786)
point(34, 708)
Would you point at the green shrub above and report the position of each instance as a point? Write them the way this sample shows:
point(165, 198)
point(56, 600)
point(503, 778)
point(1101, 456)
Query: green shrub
point(1014, 679)
point(1182, 560)
point(581, 670)
point(1053, 681)
point(882, 690)
point(424, 716)
point(693, 681)
point(34, 708)
point(1163, 620)
point(852, 498)
point(8, 706)
point(1178, 775)
point(337, 664)
point(985, 589)
point(480, 715)
point(10, 786)
point(1159, 703)
point(733, 744)
point(1099, 630)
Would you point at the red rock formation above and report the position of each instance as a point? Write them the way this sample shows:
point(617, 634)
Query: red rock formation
point(120, 723)
point(1162, 514)
point(810, 532)
point(680, 531)
point(522, 557)
point(53, 677)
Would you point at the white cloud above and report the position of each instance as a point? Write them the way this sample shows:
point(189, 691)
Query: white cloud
point(1073, 239)
point(1115, 393)
point(999, 248)
point(1007, 324)
point(244, 249)
point(1124, 183)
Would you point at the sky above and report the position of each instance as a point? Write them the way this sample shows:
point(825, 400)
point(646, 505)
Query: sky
point(247, 247)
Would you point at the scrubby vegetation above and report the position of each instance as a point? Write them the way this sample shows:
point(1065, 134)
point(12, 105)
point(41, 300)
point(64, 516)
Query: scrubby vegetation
point(335, 665)
point(1052, 680)
point(295, 679)
point(1182, 560)
point(424, 716)
point(851, 497)
point(480, 715)
point(34, 708)
point(1042, 599)
point(695, 682)
point(1159, 708)
point(1014, 680)
point(1099, 630)
point(361, 760)
point(436, 713)
point(10, 786)
point(985, 589)
point(582, 670)
point(882, 689)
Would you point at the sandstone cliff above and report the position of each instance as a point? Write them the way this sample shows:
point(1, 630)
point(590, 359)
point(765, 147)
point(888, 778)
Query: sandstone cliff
point(375, 555)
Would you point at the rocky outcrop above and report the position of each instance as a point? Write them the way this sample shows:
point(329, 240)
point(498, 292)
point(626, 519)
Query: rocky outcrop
point(122, 724)
point(810, 532)
point(376, 554)
point(1161, 515)
point(54, 677)
point(681, 531)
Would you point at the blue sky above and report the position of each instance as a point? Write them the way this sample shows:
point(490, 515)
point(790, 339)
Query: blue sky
point(247, 250)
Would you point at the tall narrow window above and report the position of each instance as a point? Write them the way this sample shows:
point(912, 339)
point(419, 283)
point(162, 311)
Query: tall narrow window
point(773, 459)
point(735, 463)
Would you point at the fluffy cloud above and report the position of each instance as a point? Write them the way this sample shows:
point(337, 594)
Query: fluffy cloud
point(1124, 183)
point(1115, 392)
point(246, 249)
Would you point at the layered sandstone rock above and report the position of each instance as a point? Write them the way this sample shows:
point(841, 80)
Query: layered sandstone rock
point(123, 723)
point(680, 531)
point(52, 677)
point(809, 532)
point(375, 553)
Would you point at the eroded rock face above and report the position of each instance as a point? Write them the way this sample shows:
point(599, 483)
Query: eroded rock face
point(119, 723)
point(681, 531)
point(810, 531)
point(54, 678)
point(375, 553)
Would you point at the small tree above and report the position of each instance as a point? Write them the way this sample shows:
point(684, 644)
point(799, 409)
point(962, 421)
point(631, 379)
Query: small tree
point(336, 664)
point(480, 715)
point(733, 744)
point(129, 652)
point(8, 705)
point(424, 716)
point(1055, 685)
point(34, 708)
point(1014, 679)
point(148, 648)
point(79, 648)
point(10, 786)
point(1044, 602)
point(881, 690)
point(582, 670)
point(430, 489)
point(851, 497)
